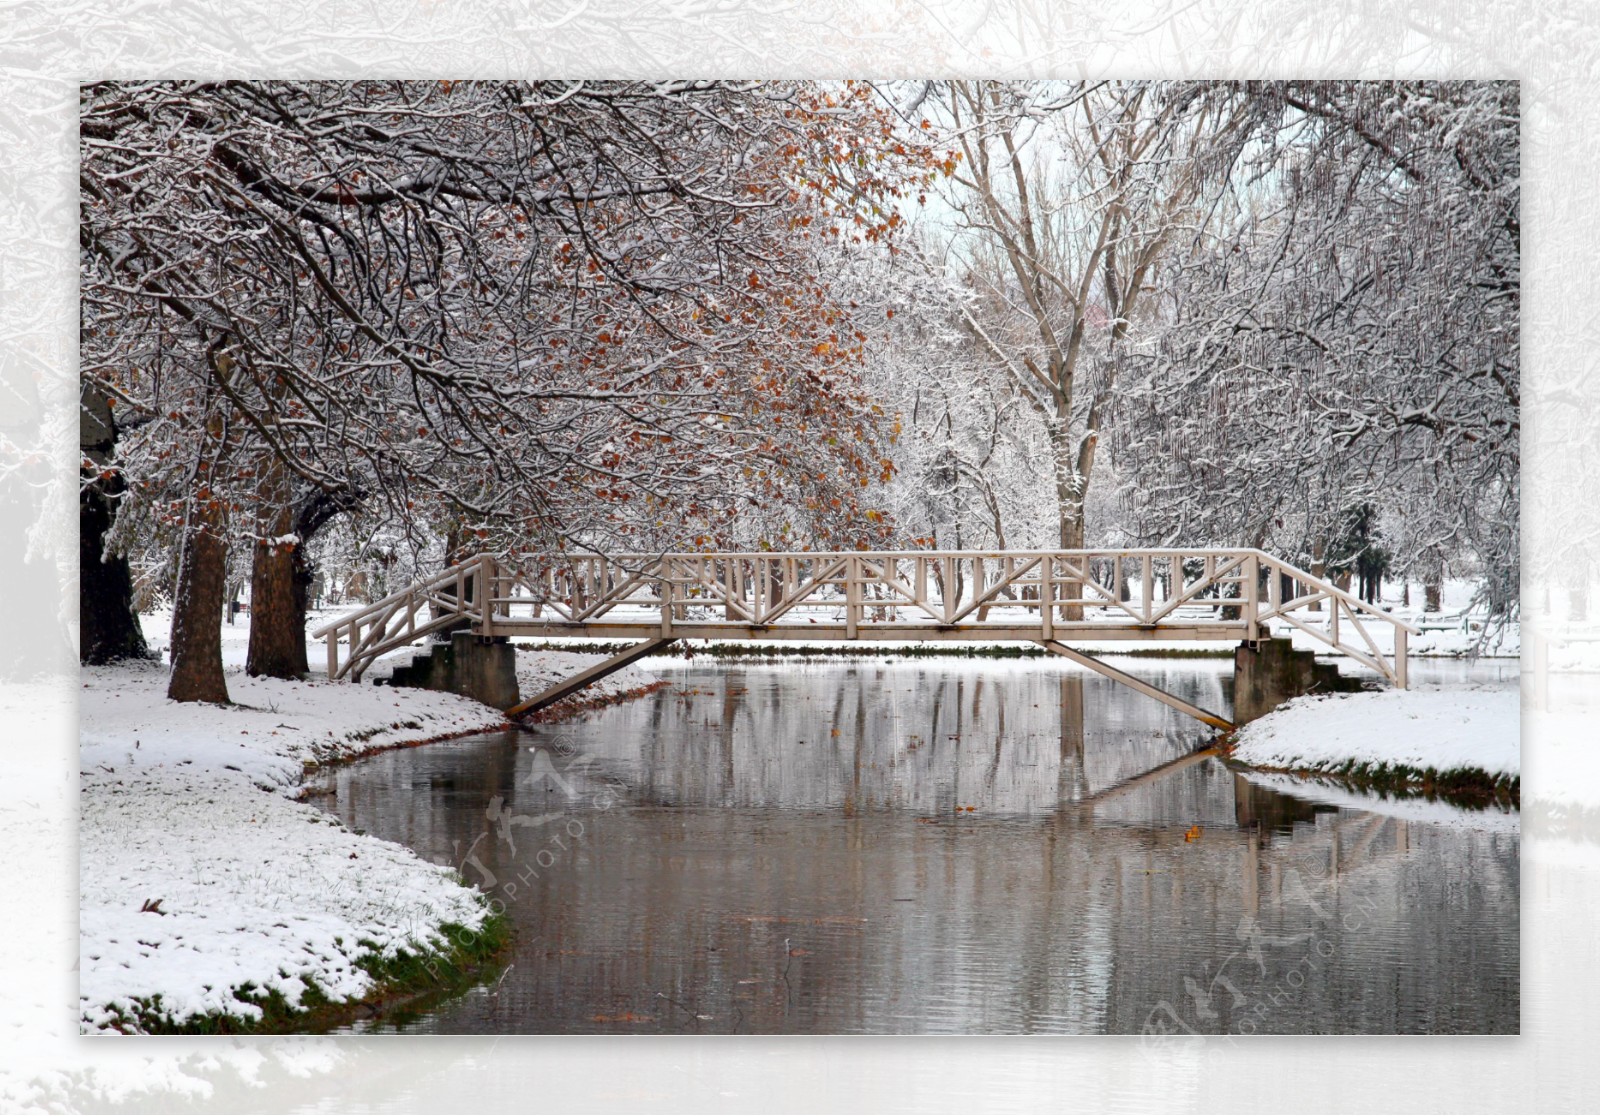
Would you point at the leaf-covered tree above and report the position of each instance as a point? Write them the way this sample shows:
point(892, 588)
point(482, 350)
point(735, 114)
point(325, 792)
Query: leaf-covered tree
point(524, 314)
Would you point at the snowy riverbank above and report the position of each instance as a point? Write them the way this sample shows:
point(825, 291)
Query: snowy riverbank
point(201, 880)
point(1422, 736)
point(204, 887)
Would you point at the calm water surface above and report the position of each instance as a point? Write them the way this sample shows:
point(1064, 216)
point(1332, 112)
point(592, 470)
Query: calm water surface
point(940, 846)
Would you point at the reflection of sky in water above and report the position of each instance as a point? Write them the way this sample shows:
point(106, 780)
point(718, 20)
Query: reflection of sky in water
point(791, 850)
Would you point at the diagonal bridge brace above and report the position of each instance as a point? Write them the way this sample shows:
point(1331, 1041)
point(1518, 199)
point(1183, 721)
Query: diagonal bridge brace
point(593, 674)
point(1133, 683)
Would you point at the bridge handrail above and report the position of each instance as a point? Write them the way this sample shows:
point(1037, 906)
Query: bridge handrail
point(1324, 585)
point(438, 580)
point(391, 622)
point(753, 590)
point(560, 556)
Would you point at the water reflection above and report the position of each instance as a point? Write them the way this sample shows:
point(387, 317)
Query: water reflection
point(939, 848)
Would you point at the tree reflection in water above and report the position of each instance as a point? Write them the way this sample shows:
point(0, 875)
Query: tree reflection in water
point(944, 847)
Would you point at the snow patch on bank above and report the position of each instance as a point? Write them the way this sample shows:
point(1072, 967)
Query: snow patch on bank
point(271, 732)
point(1445, 730)
point(190, 808)
point(198, 873)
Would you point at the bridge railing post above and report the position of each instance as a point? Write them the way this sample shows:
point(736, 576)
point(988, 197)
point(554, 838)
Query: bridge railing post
point(485, 585)
point(664, 592)
point(1252, 597)
point(852, 596)
point(1047, 596)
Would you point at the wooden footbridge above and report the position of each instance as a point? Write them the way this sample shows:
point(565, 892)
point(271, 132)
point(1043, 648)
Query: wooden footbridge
point(1052, 598)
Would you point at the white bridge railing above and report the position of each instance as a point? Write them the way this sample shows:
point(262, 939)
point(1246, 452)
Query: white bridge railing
point(900, 595)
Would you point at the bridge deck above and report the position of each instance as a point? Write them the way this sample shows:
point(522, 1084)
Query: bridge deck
point(887, 632)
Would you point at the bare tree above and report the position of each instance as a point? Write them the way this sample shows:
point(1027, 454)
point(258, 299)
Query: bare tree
point(1345, 334)
point(1069, 195)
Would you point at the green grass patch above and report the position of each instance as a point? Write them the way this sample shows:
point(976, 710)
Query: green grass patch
point(1471, 787)
point(406, 982)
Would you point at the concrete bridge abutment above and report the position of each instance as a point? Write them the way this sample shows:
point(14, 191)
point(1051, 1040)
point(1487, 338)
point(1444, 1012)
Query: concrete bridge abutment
point(470, 665)
point(1269, 672)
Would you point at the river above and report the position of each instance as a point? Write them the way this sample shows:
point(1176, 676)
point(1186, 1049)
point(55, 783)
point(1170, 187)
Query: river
point(942, 846)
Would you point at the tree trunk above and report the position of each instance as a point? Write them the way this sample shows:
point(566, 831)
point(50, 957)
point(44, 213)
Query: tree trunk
point(108, 624)
point(1069, 502)
point(277, 625)
point(305, 576)
point(277, 612)
point(197, 611)
point(455, 551)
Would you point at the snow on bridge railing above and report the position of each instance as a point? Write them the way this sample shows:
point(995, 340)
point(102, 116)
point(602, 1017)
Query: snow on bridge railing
point(1161, 593)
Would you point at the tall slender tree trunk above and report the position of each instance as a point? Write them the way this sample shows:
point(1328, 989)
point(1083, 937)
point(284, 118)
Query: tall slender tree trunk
point(277, 614)
point(197, 611)
point(1069, 502)
point(1432, 596)
point(456, 549)
point(1433, 583)
point(108, 625)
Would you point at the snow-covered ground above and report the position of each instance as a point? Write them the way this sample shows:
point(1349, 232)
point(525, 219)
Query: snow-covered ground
point(187, 808)
point(199, 872)
point(1443, 730)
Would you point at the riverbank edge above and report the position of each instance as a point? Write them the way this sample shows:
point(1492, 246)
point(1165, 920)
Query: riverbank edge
point(1469, 787)
point(563, 710)
point(469, 955)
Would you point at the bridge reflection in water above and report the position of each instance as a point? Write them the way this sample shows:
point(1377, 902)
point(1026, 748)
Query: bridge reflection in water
point(940, 847)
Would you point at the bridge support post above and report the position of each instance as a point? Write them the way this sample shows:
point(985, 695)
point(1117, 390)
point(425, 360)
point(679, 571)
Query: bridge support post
point(484, 589)
point(1138, 684)
point(593, 674)
point(852, 597)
